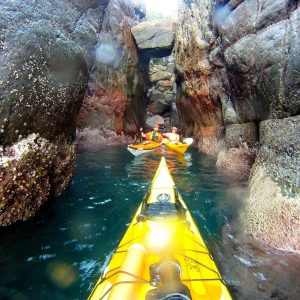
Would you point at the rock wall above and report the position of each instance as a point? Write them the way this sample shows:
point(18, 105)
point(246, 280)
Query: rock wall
point(261, 41)
point(116, 100)
point(201, 78)
point(161, 96)
point(43, 75)
point(237, 65)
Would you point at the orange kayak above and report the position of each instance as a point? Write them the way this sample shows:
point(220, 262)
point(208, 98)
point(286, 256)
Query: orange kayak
point(142, 148)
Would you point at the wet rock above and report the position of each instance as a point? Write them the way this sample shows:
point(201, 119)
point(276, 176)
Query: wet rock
point(237, 162)
point(272, 211)
point(88, 138)
point(246, 74)
point(30, 171)
point(237, 134)
point(116, 100)
point(43, 76)
point(201, 85)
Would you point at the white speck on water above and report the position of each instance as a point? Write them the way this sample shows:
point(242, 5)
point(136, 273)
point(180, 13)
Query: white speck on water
point(47, 256)
point(245, 262)
point(260, 276)
point(30, 258)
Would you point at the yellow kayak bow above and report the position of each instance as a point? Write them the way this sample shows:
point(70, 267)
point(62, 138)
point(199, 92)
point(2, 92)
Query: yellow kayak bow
point(162, 254)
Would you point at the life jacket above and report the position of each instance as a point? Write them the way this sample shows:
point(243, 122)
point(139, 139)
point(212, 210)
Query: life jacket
point(155, 136)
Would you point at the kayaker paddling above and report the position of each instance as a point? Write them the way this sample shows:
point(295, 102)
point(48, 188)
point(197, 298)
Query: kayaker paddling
point(154, 135)
point(172, 136)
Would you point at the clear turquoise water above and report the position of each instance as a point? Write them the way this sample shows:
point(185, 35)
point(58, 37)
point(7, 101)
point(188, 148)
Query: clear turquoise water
point(61, 252)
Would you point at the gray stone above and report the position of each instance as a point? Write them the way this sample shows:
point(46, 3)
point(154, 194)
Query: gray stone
point(237, 134)
point(43, 81)
point(215, 57)
point(270, 12)
point(269, 68)
point(291, 104)
point(275, 186)
point(240, 22)
point(160, 75)
point(156, 35)
point(155, 95)
point(153, 120)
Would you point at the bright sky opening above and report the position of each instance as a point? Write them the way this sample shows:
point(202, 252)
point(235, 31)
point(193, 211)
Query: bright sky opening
point(162, 8)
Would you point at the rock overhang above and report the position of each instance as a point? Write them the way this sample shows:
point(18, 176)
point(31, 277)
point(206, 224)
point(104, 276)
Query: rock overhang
point(155, 38)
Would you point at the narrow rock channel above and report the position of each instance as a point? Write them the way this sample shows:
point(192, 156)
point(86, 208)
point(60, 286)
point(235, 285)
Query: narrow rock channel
point(81, 75)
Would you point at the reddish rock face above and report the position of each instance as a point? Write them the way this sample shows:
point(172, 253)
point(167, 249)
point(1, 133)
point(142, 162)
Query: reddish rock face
point(105, 109)
point(200, 83)
point(115, 101)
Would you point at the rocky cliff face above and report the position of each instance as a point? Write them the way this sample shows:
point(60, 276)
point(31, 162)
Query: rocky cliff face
point(43, 80)
point(237, 65)
point(200, 74)
point(54, 54)
point(115, 101)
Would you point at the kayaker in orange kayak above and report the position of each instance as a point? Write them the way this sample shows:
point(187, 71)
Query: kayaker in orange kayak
point(172, 136)
point(154, 135)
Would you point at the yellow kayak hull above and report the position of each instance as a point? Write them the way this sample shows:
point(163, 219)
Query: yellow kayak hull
point(177, 147)
point(149, 238)
point(142, 148)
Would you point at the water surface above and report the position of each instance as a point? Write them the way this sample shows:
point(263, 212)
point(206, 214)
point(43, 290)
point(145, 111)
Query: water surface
point(61, 252)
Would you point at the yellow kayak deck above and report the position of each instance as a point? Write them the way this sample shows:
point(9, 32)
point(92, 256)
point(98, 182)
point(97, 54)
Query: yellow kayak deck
point(177, 147)
point(161, 230)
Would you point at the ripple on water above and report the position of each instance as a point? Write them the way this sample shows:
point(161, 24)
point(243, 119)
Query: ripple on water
point(77, 233)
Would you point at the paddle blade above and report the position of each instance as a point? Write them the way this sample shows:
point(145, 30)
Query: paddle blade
point(188, 141)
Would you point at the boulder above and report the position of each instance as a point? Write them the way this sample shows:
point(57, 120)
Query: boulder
point(43, 76)
point(157, 36)
point(152, 120)
point(160, 107)
point(160, 75)
point(156, 95)
point(165, 83)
